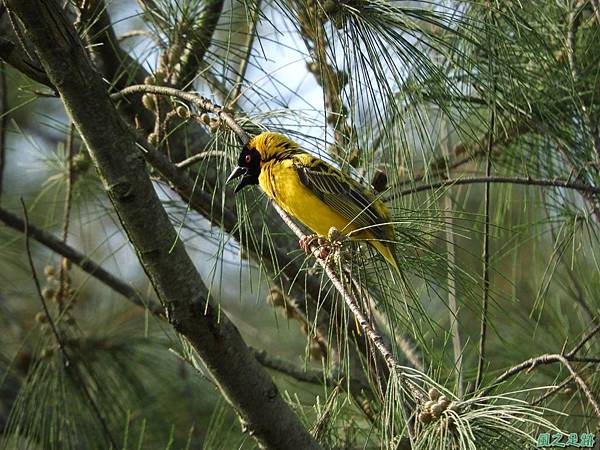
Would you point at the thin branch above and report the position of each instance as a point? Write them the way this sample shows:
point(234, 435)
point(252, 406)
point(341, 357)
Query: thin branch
point(199, 157)
point(544, 359)
point(583, 341)
point(69, 367)
point(196, 42)
point(236, 94)
point(582, 384)
point(200, 102)
point(39, 287)
point(3, 121)
point(552, 391)
point(564, 359)
point(560, 183)
point(462, 148)
point(532, 363)
point(457, 347)
point(286, 368)
point(69, 149)
point(485, 256)
point(350, 301)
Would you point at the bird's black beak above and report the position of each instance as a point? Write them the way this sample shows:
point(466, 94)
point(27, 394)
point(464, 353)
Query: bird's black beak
point(239, 172)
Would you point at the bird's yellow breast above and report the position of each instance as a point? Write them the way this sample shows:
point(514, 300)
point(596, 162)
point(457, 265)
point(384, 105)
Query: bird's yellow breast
point(280, 181)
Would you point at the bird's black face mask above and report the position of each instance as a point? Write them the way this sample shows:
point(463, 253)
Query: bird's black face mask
point(248, 168)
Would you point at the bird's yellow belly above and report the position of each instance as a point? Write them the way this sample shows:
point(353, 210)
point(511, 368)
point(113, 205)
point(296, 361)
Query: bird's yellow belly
point(285, 187)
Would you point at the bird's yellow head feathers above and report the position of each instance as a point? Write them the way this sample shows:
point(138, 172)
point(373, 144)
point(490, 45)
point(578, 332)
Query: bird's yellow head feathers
point(260, 149)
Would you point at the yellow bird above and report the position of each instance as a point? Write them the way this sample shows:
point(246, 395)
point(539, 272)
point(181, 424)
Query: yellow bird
point(314, 192)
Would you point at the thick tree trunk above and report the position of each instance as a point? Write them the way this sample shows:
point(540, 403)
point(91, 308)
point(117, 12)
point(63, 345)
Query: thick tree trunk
point(121, 166)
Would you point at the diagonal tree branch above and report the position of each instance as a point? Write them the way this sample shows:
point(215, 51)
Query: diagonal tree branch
point(121, 287)
point(241, 379)
point(69, 366)
point(80, 260)
point(198, 43)
point(3, 122)
point(527, 181)
point(563, 358)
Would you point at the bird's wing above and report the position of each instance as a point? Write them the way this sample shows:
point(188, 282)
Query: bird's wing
point(345, 196)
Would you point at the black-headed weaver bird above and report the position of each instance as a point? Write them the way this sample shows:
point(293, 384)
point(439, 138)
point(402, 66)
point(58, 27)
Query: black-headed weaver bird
point(314, 192)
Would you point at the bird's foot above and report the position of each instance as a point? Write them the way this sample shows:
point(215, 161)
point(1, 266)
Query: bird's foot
point(328, 246)
point(305, 242)
point(324, 247)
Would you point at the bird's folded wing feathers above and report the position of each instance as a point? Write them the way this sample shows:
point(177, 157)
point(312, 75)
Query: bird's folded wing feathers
point(344, 195)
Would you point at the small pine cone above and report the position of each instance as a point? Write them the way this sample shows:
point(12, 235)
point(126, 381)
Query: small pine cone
point(434, 394)
point(183, 112)
point(437, 410)
point(66, 264)
point(330, 7)
point(425, 417)
point(49, 271)
point(443, 401)
point(428, 405)
point(47, 352)
point(48, 293)
point(41, 318)
point(276, 298)
point(316, 351)
point(205, 118)
point(149, 102)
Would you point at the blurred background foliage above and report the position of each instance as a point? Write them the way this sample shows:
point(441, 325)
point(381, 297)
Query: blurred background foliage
point(399, 94)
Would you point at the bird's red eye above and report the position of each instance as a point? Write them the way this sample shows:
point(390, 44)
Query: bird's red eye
point(247, 159)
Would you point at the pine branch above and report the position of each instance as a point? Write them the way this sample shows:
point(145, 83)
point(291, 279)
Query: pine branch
point(532, 363)
point(201, 202)
point(17, 58)
point(242, 380)
point(574, 22)
point(245, 60)
point(528, 181)
point(350, 301)
point(69, 367)
point(197, 41)
point(3, 121)
point(80, 260)
point(286, 368)
point(457, 346)
point(563, 358)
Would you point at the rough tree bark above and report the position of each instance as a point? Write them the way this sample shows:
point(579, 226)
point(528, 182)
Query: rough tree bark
point(121, 167)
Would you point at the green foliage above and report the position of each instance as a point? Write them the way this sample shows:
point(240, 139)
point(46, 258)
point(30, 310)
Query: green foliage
point(422, 92)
